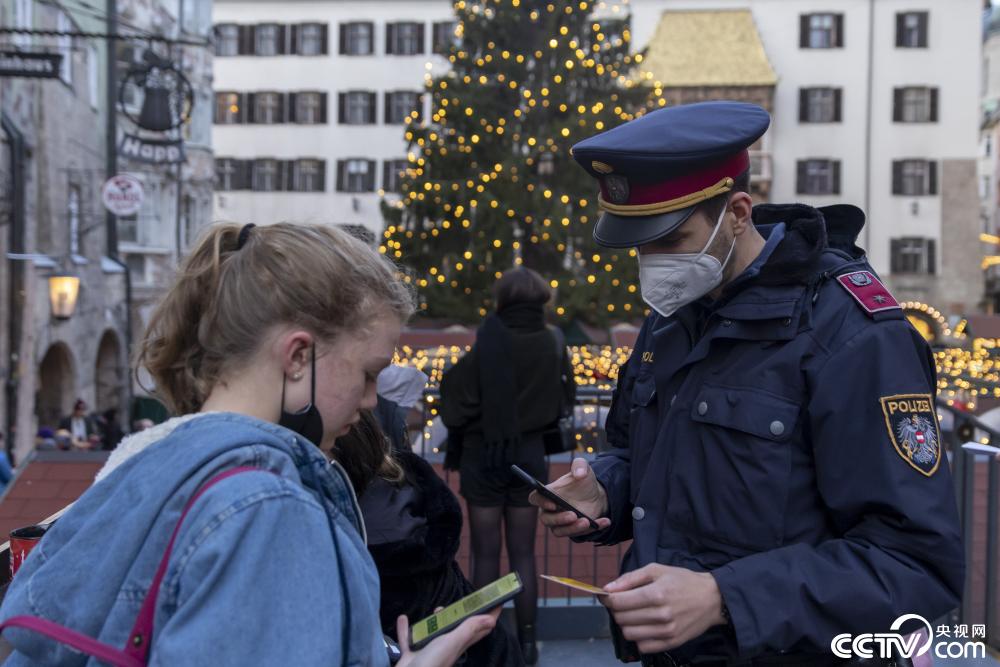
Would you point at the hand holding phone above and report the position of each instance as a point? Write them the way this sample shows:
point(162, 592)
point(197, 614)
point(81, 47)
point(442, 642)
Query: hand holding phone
point(579, 497)
point(486, 598)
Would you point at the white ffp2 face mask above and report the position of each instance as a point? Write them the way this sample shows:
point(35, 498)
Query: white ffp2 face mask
point(670, 281)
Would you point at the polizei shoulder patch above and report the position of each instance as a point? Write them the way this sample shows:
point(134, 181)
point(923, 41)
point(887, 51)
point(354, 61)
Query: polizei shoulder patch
point(868, 291)
point(913, 430)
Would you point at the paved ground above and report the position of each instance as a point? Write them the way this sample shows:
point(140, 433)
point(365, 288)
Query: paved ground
point(598, 653)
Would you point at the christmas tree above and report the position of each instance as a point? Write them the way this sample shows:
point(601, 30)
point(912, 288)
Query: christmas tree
point(490, 181)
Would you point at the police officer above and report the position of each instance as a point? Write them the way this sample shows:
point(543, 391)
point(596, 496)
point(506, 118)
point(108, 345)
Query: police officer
point(775, 453)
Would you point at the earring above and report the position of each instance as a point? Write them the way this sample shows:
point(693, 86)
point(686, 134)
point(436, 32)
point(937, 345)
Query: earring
point(297, 376)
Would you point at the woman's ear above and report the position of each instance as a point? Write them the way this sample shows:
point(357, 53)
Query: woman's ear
point(741, 205)
point(295, 349)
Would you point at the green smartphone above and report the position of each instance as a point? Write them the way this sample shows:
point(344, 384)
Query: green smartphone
point(486, 598)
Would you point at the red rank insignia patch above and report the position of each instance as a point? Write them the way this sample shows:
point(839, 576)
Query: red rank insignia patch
point(868, 291)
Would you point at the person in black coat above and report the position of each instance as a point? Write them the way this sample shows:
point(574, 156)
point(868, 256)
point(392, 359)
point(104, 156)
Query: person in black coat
point(414, 525)
point(498, 401)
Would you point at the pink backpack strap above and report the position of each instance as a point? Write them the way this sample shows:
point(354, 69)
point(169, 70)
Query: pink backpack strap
point(81, 642)
point(140, 638)
point(136, 651)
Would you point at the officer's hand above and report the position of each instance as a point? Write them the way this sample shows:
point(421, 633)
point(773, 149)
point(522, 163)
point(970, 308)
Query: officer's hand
point(661, 607)
point(447, 648)
point(579, 488)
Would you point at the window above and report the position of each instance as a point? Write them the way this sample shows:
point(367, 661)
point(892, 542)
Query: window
point(227, 109)
point(309, 176)
point(22, 19)
point(128, 229)
point(307, 108)
point(230, 174)
point(265, 176)
point(818, 177)
point(137, 268)
point(392, 174)
point(357, 108)
point(399, 105)
point(309, 39)
point(356, 39)
point(819, 105)
point(93, 87)
point(911, 30)
point(914, 178)
point(444, 37)
point(129, 55)
point(821, 31)
point(73, 216)
point(404, 39)
point(266, 108)
point(227, 39)
point(356, 175)
point(912, 255)
point(65, 46)
point(267, 40)
point(915, 104)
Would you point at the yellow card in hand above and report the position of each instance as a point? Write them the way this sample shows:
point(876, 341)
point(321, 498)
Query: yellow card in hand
point(578, 585)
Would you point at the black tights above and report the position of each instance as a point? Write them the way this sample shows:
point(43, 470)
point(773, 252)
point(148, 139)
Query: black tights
point(521, 523)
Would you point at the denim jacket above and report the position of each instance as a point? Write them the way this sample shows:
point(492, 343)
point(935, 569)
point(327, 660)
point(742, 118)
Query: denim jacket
point(268, 569)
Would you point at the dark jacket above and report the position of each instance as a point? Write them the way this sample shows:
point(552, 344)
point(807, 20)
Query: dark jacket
point(413, 535)
point(784, 438)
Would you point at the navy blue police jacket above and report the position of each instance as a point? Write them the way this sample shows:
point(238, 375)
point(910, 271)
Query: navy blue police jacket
point(784, 438)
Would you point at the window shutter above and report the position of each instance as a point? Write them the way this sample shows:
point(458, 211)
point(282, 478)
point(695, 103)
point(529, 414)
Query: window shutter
point(897, 105)
point(282, 46)
point(246, 40)
point(894, 256)
point(390, 38)
point(321, 186)
point(370, 177)
point(291, 100)
point(249, 112)
point(388, 109)
point(931, 256)
point(341, 108)
point(341, 175)
point(216, 116)
point(835, 166)
point(838, 22)
point(280, 115)
point(324, 39)
point(924, 20)
point(322, 108)
point(282, 175)
point(803, 105)
point(838, 104)
point(420, 107)
point(934, 105)
point(804, 31)
point(800, 177)
point(421, 39)
point(897, 177)
point(293, 40)
point(931, 177)
point(371, 40)
point(343, 39)
point(900, 28)
point(372, 110)
point(386, 167)
point(241, 175)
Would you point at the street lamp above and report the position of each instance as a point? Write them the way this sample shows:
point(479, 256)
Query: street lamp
point(63, 291)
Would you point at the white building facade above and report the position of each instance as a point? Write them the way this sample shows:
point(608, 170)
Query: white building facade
point(876, 105)
point(311, 99)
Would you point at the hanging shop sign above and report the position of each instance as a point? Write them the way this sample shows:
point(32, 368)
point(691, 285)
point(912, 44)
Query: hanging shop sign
point(122, 194)
point(165, 99)
point(31, 65)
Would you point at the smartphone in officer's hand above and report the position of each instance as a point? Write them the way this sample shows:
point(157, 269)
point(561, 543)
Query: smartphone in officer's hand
point(547, 493)
point(486, 598)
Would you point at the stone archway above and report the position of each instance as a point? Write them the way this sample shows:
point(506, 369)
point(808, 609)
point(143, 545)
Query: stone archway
point(108, 373)
point(56, 386)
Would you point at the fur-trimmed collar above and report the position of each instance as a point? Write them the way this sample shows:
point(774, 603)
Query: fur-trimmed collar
point(140, 440)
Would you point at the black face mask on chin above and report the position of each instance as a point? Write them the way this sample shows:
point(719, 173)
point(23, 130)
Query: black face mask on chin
point(307, 422)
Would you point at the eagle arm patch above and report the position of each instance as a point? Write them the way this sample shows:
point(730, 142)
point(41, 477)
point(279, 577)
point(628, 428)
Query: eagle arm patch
point(913, 430)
